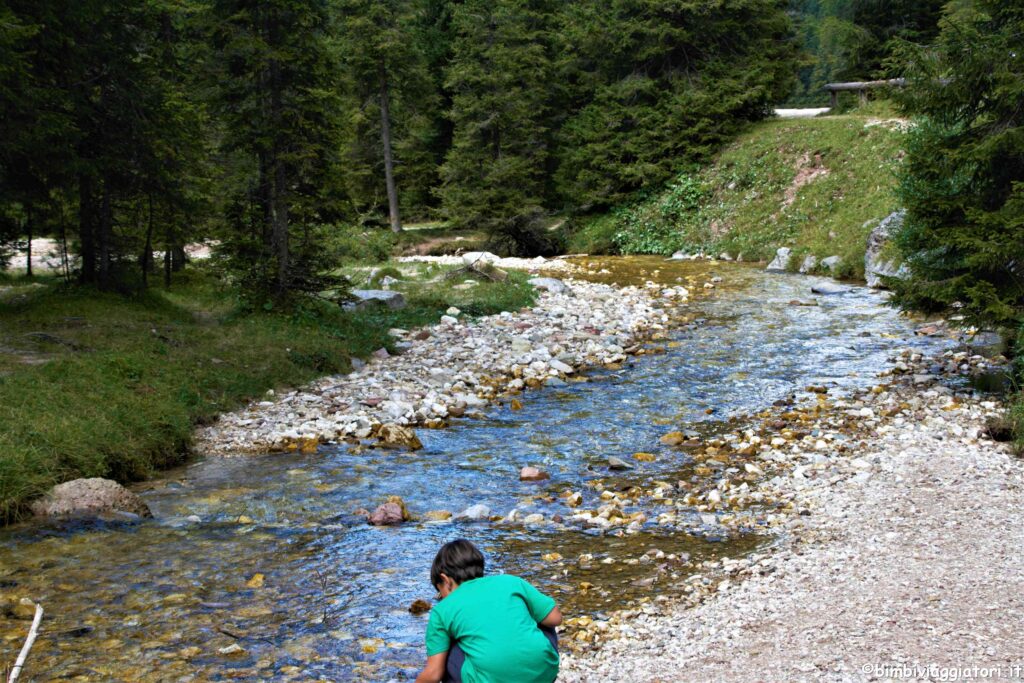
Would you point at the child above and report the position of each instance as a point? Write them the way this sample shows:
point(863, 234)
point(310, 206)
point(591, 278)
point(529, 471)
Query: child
point(494, 629)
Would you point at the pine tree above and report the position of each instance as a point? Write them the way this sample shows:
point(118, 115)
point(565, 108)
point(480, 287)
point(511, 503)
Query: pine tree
point(963, 179)
point(279, 105)
point(495, 173)
point(668, 83)
point(391, 87)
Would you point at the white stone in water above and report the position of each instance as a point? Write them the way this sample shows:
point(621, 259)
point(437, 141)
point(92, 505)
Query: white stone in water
point(475, 513)
point(560, 366)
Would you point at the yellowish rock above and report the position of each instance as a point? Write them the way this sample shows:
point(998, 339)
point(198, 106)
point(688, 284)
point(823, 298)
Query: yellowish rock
point(644, 457)
point(255, 582)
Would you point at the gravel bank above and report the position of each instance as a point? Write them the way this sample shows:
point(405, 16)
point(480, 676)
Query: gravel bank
point(452, 369)
point(908, 550)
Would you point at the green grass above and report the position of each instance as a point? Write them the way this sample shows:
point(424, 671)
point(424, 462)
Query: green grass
point(749, 202)
point(95, 384)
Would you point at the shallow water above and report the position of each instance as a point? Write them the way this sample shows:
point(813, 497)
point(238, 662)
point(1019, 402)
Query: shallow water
point(156, 601)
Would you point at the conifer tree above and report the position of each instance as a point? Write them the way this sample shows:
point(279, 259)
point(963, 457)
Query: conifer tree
point(963, 179)
point(279, 105)
point(669, 82)
point(499, 77)
point(387, 75)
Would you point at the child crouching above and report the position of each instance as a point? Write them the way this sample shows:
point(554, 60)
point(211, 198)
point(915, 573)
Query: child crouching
point(493, 629)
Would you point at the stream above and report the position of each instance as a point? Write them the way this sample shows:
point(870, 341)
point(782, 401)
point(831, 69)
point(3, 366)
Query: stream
point(279, 566)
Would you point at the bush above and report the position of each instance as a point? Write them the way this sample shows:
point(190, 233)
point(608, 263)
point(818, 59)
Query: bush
point(347, 243)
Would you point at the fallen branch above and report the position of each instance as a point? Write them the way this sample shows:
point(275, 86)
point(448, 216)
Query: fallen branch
point(27, 646)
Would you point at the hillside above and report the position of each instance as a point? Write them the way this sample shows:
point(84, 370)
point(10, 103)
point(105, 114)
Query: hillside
point(817, 185)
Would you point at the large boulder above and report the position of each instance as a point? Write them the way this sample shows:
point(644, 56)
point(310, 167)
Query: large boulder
point(365, 298)
point(876, 266)
point(89, 498)
point(780, 263)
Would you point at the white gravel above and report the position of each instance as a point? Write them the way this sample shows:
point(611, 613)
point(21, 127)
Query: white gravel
point(912, 556)
point(453, 368)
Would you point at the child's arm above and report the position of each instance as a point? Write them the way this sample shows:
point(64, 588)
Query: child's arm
point(433, 672)
point(553, 619)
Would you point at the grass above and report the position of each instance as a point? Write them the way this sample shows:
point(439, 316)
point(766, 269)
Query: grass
point(816, 185)
point(99, 385)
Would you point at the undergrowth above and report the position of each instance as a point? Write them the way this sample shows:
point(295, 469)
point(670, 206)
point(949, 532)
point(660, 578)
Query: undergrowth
point(815, 185)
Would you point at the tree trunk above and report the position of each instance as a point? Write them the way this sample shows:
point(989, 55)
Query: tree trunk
point(389, 170)
point(279, 214)
point(28, 252)
point(64, 260)
point(86, 229)
point(106, 229)
point(147, 252)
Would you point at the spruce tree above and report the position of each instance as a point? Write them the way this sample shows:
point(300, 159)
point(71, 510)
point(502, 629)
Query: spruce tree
point(670, 82)
point(278, 95)
point(963, 179)
point(388, 80)
point(499, 78)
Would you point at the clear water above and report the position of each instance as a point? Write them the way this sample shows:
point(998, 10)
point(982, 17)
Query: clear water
point(157, 600)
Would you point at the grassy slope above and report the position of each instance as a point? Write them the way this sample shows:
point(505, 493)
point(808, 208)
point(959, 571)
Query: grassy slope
point(737, 204)
point(123, 399)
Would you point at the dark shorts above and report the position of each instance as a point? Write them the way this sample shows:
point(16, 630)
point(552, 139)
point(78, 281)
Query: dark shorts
point(456, 657)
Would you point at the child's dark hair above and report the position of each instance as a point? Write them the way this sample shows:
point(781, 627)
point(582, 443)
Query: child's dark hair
point(459, 560)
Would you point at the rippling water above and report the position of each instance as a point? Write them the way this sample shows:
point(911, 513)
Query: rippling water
point(156, 601)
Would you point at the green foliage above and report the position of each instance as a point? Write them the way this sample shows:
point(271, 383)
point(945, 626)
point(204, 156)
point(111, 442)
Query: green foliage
point(499, 77)
point(851, 40)
point(346, 244)
point(815, 185)
point(663, 84)
point(963, 180)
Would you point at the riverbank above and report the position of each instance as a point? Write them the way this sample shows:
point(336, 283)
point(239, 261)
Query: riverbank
point(102, 385)
point(456, 367)
point(902, 551)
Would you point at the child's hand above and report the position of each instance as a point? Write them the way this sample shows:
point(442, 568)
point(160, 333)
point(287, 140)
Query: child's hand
point(433, 672)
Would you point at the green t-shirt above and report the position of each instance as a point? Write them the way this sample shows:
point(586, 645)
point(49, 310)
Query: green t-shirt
point(494, 620)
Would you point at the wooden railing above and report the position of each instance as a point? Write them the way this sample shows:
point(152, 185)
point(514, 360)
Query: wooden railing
point(861, 88)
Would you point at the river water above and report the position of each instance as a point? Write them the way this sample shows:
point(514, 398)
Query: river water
point(280, 566)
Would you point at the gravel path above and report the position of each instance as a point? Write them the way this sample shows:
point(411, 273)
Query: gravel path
point(917, 560)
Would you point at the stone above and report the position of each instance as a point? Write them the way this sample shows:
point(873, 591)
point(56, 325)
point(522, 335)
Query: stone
point(366, 298)
point(475, 513)
point(829, 288)
point(453, 311)
point(673, 438)
point(618, 464)
point(831, 263)
point(437, 515)
point(449, 320)
point(781, 261)
point(809, 263)
point(561, 367)
point(419, 606)
point(875, 265)
point(532, 474)
point(550, 284)
point(392, 435)
point(89, 498)
point(386, 515)
point(479, 257)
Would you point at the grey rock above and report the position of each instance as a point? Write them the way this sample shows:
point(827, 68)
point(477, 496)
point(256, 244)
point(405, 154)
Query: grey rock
point(475, 513)
point(471, 257)
point(875, 266)
point(829, 288)
point(618, 464)
point(781, 261)
point(831, 263)
point(365, 298)
point(89, 498)
point(550, 284)
point(809, 264)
